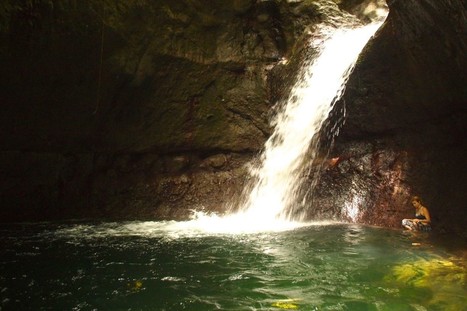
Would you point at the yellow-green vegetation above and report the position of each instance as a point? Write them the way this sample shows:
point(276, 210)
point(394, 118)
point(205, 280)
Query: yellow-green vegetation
point(444, 279)
point(288, 304)
point(135, 286)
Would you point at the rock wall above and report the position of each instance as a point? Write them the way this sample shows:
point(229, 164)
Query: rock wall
point(113, 109)
point(404, 131)
point(148, 109)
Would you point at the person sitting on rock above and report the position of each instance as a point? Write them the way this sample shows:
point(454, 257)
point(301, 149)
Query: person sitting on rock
point(422, 220)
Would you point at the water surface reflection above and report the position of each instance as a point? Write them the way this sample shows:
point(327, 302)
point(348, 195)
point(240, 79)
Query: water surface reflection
point(113, 266)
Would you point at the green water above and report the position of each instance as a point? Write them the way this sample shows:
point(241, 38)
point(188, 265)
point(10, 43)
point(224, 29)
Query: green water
point(146, 266)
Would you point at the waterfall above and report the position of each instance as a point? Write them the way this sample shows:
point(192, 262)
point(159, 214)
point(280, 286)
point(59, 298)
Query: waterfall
point(269, 204)
point(321, 83)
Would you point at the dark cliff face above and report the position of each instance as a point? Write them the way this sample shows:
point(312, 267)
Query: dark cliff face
point(139, 76)
point(152, 108)
point(405, 126)
point(107, 105)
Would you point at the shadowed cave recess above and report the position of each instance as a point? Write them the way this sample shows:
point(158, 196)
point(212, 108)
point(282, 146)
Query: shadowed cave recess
point(150, 109)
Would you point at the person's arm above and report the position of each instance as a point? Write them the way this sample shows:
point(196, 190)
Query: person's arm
point(426, 213)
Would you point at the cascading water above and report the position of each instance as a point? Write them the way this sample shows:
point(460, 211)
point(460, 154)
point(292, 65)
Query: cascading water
point(321, 82)
point(269, 204)
point(320, 85)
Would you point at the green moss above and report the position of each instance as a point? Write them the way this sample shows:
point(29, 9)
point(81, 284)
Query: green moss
point(443, 278)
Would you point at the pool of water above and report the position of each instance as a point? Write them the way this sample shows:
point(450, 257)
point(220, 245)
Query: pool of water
point(150, 266)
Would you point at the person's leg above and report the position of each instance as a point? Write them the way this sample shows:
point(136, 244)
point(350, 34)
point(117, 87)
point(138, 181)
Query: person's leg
point(423, 227)
point(409, 224)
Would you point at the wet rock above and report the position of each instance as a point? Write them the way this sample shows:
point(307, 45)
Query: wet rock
point(366, 10)
point(177, 164)
point(215, 161)
point(173, 188)
point(404, 112)
point(364, 187)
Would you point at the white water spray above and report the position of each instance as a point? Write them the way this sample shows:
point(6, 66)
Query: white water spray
point(320, 85)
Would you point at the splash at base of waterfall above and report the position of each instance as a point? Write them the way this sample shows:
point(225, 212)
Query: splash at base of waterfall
point(200, 225)
point(239, 223)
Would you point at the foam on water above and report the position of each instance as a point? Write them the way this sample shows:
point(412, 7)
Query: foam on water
point(201, 225)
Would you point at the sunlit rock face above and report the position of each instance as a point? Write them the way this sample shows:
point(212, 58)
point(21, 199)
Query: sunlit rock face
point(152, 108)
